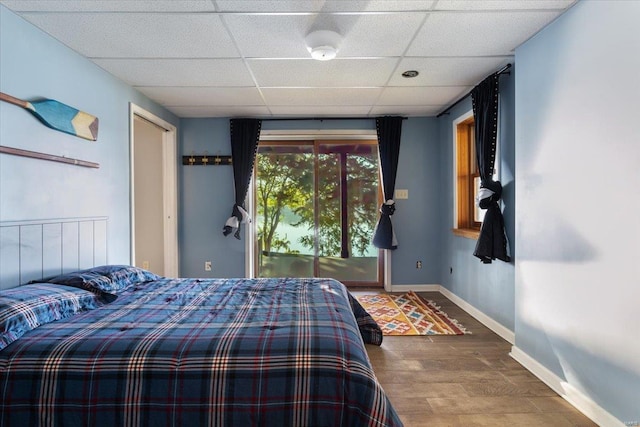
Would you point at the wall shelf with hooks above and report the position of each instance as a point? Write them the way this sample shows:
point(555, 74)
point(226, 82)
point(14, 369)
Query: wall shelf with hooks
point(206, 160)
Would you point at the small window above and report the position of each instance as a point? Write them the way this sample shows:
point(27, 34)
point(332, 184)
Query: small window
point(468, 216)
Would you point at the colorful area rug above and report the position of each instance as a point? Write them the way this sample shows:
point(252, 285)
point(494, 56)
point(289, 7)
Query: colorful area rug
point(409, 314)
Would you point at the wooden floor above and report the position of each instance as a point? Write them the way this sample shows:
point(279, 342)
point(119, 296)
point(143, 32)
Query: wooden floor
point(465, 380)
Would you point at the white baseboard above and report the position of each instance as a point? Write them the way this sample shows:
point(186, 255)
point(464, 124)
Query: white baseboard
point(415, 288)
point(575, 397)
point(506, 334)
point(567, 391)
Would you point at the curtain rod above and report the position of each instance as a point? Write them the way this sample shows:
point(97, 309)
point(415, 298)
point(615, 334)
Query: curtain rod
point(282, 119)
point(503, 70)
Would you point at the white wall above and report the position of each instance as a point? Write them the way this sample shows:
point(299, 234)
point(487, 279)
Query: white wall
point(578, 204)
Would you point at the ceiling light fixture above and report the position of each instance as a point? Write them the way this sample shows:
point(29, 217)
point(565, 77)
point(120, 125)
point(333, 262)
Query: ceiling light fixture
point(410, 74)
point(323, 44)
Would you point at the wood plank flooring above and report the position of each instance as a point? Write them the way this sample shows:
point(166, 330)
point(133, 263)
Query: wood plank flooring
point(467, 380)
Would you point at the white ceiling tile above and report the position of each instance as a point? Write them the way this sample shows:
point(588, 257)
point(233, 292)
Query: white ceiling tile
point(383, 5)
point(265, 36)
point(110, 5)
point(203, 96)
point(447, 71)
point(320, 96)
point(408, 110)
point(269, 6)
point(477, 34)
point(321, 111)
point(503, 4)
point(283, 36)
point(324, 6)
point(311, 73)
point(379, 35)
point(125, 35)
point(437, 95)
point(226, 111)
point(179, 72)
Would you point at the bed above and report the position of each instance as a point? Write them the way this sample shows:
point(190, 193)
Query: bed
point(120, 346)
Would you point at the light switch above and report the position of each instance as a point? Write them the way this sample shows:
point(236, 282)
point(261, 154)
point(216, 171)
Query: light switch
point(402, 194)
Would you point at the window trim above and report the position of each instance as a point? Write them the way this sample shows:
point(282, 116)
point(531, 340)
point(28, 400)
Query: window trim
point(294, 139)
point(464, 224)
point(281, 134)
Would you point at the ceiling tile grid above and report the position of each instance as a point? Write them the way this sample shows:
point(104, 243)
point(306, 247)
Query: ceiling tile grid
point(232, 58)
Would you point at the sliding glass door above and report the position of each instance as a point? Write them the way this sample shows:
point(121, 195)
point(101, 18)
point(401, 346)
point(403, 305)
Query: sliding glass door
point(284, 199)
point(317, 205)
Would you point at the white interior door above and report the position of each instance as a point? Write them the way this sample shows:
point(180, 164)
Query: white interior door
point(153, 194)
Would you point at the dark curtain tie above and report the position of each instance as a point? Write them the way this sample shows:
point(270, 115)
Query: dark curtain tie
point(384, 236)
point(389, 130)
point(238, 216)
point(245, 134)
point(492, 241)
point(490, 194)
point(388, 208)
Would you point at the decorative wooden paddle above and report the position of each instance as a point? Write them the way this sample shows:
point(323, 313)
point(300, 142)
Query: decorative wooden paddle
point(59, 116)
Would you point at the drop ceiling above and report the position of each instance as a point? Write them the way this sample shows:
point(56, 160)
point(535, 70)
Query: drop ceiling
point(232, 58)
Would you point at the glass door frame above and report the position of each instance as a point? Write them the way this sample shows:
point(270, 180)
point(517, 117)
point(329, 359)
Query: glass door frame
point(251, 245)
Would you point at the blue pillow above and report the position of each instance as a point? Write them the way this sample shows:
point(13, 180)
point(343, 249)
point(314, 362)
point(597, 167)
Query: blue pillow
point(26, 307)
point(87, 280)
point(124, 276)
point(110, 279)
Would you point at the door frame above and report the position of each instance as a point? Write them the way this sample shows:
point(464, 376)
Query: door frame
point(302, 134)
point(169, 186)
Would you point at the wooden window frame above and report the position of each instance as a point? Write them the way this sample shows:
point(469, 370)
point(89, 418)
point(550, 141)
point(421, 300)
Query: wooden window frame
point(466, 171)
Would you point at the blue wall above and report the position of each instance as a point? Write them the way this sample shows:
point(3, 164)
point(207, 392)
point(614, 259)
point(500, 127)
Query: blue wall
point(577, 205)
point(572, 224)
point(488, 288)
point(34, 65)
point(207, 199)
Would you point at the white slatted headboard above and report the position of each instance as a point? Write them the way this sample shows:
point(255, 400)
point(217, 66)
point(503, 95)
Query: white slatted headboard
point(32, 250)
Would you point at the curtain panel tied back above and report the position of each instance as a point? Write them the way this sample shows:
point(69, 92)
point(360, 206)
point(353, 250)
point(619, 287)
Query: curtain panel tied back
point(389, 130)
point(245, 134)
point(492, 242)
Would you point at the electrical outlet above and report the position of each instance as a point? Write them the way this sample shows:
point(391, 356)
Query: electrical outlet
point(145, 265)
point(418, 265)
point(207, 266)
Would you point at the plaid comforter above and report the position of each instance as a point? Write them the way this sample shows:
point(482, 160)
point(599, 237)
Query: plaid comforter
point(196, 352)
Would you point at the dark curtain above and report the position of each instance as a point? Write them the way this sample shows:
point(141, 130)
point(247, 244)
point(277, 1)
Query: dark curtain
point(245, 134)
point(492, 243)
point(389, 130)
